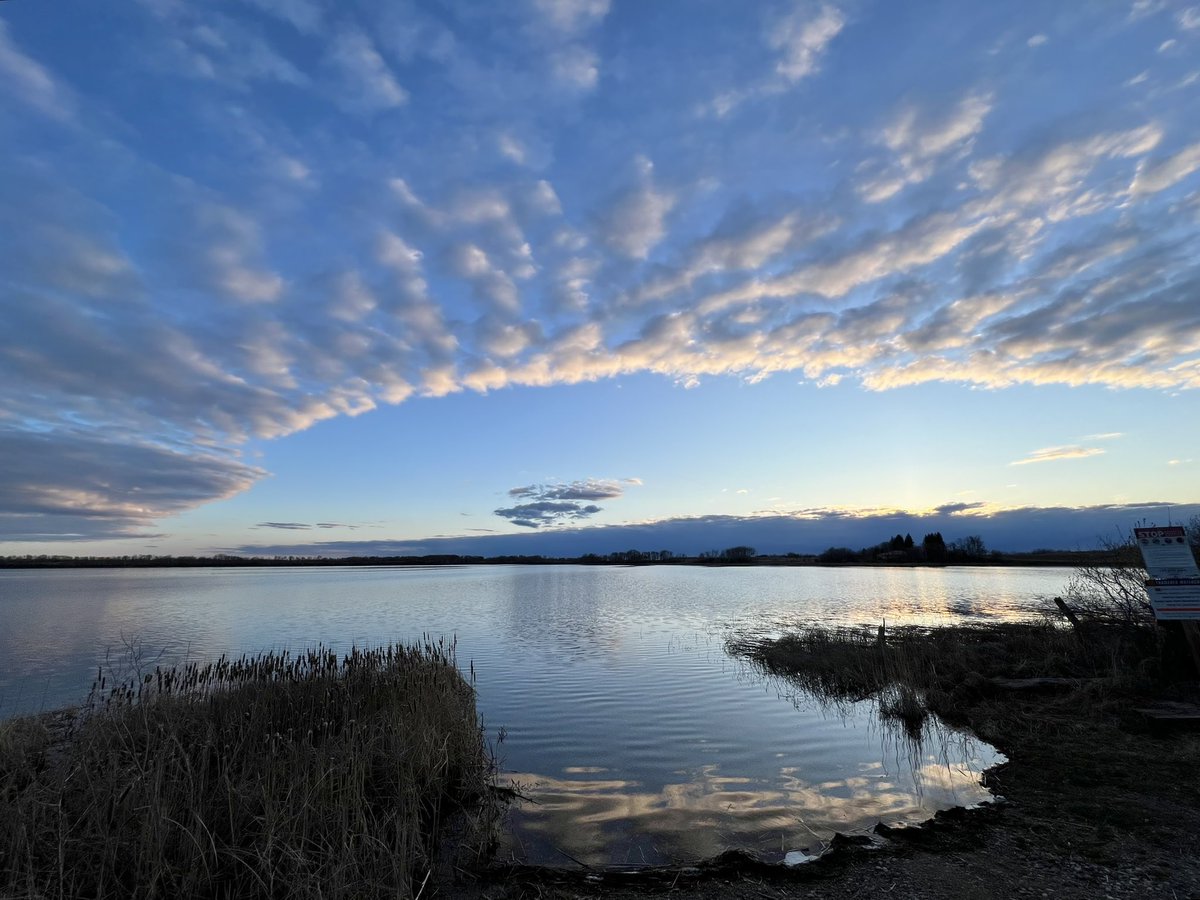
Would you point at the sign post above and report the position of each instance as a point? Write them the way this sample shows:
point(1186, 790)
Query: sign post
point(1174, 583)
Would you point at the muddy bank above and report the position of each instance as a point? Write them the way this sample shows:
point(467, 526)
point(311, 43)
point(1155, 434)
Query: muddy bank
point(1098, 800)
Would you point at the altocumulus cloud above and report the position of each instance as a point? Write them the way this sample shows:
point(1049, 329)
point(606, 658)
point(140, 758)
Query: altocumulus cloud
point(556, 504)
point(337, 236)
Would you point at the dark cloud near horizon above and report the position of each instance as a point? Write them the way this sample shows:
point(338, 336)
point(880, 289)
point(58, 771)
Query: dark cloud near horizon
point(807, 531)
point(70, 484)
point(303, 526)
point(591, 489)
point(558, 504)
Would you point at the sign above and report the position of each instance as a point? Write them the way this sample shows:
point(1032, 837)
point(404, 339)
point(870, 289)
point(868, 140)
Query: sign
point(1174, 599)
point(1166, 553)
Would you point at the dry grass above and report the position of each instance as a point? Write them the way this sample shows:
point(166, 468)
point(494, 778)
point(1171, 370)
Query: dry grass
point(913, 670)
point(269, 776)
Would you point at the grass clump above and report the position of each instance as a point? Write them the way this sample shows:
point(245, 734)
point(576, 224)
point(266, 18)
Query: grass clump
point(914, 670)
point(266, 776)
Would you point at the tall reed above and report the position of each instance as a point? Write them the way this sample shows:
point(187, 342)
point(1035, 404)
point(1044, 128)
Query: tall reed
point(277, 775)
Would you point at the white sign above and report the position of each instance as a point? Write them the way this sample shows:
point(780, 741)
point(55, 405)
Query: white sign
point(1174, 598)
point(1166, 552)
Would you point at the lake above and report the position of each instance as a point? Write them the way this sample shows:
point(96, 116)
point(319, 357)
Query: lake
point(637, 738)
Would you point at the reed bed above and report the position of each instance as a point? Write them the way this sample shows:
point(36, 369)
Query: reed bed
point(913, 670)
point(277, 775)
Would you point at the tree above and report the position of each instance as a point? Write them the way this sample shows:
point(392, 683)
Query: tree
point(970, 547)
point(1112, 590)
point(934, 546)
point(738, 554)
point(908, 542)
point(838, 555)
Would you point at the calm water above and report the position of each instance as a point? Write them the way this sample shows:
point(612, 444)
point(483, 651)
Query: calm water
point(639, 738)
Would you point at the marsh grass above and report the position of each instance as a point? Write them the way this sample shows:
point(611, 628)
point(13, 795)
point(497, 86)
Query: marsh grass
point(314, 775)
point(912, 671)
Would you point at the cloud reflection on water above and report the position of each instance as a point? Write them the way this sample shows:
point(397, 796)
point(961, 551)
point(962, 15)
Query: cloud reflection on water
point(569, 819)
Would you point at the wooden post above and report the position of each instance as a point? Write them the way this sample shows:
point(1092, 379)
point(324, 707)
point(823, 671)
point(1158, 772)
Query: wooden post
point(1191, 631)
point(1066, 611)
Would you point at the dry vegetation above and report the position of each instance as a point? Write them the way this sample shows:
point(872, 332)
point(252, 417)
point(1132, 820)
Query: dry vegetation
point(269, 776)
point(914, 670)
point(1100, 802)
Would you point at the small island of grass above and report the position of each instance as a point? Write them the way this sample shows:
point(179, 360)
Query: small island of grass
point(314, 775)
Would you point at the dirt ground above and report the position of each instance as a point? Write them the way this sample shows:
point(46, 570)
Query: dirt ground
point(1096, 804)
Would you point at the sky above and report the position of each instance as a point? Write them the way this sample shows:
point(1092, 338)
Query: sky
point(304, 276)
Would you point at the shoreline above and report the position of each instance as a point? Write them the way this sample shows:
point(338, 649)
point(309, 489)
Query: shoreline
point(1057, 559)
point(1090, 802)
point(1093, 800)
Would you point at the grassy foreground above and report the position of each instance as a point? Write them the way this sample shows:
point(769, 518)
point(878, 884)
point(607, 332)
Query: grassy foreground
point(269, 776)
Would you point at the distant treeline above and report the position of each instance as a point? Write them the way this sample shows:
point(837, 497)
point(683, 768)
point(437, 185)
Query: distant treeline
point(899, 550)
point(902, 548)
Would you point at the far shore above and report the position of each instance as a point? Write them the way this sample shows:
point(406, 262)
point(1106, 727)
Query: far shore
point(999, 559)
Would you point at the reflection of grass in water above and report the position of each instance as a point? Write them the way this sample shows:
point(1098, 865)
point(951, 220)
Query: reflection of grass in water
point(935, 755)
point(956, 672)
point(1063, 705)
point(915, 669)
point(266, 776)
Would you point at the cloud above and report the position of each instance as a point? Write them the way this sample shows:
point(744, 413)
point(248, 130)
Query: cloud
point(217, 48)
point(544, 199)
point(511, 149)
point(1052, 454)
point(284, 526)
point(802, 38)
point(801, 531)
point(591, 489)
point(492, 284)
point(368, 85)
point(576, 67)
point(1056, 179)
point(1162, 174)
point(71, 484)
point(230, 252)
point(798, 40)
point(305, 16)
point(919, 143)
point(274, 259)
point(571, 15)
point(556, 504)
point(28, 81)
point(636, 221)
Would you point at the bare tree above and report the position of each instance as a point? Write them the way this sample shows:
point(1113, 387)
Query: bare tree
point(1112, 589)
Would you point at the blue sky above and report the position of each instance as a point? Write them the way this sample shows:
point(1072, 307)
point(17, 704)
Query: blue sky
point(296, 274)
